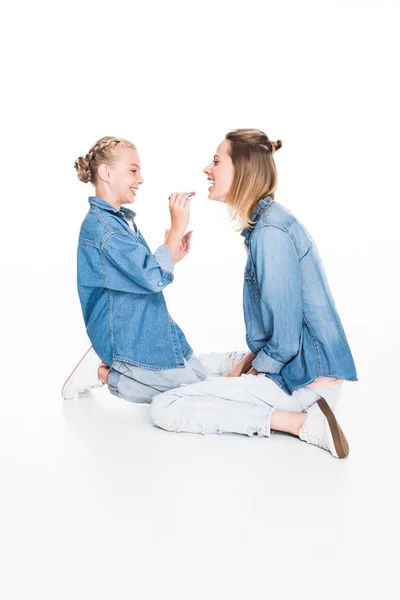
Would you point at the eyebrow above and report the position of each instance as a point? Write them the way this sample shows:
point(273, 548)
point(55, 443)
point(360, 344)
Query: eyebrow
point(134, 165)
point(216, 156)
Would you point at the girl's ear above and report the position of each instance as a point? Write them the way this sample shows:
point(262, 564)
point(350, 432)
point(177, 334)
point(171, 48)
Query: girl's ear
point(103, 172)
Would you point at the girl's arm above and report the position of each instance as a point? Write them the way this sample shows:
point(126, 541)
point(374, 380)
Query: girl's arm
point(128, 266)
point(179, 207)
point(132, 268)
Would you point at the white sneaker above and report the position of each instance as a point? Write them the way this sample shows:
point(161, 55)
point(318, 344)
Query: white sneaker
point(83, 377)
point(321, 429)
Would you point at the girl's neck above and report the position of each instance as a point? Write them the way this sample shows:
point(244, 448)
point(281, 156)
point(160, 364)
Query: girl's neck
point(103, 193)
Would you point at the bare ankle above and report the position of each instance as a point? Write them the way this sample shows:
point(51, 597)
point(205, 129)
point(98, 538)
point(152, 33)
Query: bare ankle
point(289, 422)
point(299, 423)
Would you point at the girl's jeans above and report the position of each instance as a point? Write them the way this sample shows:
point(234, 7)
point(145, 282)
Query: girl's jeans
point(199, 399)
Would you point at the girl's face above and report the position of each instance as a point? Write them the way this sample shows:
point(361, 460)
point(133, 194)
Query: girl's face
point(124, 177)
point(220, 172)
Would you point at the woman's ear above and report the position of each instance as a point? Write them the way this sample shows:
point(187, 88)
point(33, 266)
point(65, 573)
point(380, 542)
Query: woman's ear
point(103, 172)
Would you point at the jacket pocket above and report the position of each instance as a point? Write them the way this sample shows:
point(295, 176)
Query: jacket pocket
point(251, 284)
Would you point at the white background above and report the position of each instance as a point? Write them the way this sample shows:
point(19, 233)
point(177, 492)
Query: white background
point(174, 78)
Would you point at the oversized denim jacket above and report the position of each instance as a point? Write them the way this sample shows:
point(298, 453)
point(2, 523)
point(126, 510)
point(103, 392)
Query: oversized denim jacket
point(292, 324)
point(120, 286)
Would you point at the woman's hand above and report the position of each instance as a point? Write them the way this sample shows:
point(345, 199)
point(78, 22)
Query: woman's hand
point(184, 247)
point(237, 371)
point(252, 371)
point(243, 366)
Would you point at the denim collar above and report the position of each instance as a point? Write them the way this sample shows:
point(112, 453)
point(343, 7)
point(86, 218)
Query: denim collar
point(261, 208)
point(123, 212)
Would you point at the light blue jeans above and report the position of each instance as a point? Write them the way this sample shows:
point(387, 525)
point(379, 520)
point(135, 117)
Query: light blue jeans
point(232, 404)
point(136, 384)
point(199, 398)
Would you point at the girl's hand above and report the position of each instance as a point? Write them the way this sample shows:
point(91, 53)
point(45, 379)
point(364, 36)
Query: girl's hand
point(179, 207)
point(184, 247)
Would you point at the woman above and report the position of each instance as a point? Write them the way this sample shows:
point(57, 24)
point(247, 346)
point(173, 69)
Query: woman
point(299, 356)
point(121, 283)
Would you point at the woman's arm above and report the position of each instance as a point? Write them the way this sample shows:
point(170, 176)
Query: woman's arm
point(279, 279)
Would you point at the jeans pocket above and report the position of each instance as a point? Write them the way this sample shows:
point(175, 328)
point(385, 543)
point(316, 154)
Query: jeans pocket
point(122, 368)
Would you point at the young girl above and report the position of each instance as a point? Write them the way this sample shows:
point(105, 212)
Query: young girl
point(299, 356)
point(121, 283)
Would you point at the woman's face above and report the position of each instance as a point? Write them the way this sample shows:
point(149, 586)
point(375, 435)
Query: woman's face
point(124, 176)
point(220, 172)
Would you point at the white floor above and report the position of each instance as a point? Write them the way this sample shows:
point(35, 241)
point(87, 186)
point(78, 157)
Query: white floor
point(97, 503)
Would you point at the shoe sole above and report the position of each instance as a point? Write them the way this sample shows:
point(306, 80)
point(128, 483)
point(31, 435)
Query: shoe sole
point(339, 439)
point(64, 388)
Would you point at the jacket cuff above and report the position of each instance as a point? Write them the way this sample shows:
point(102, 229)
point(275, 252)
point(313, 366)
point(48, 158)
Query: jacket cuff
point(265, 364)
point(163, 256)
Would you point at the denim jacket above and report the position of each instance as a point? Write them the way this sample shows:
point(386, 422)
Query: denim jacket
point(292, 324)
point(120, 286)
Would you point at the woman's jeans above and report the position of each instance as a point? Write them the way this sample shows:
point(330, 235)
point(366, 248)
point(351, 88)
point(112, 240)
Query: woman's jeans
point(200, 399)
point(136, 384)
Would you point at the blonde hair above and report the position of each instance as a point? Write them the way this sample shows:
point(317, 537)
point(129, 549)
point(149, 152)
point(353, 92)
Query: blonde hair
point(255, 173)
point(103, 152)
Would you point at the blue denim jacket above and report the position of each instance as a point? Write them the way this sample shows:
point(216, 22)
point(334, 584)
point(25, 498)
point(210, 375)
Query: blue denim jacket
point(120, 285)
point(292, 324)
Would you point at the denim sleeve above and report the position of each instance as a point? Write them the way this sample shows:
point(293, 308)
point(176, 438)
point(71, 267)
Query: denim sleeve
point(130, 267)
point(163, 255)
point(279, 278)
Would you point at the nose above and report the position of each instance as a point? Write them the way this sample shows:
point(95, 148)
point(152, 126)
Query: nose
point(206, 170)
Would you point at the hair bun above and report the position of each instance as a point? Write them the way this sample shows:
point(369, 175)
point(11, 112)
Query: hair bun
point(276, 145)
point(82, 166)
